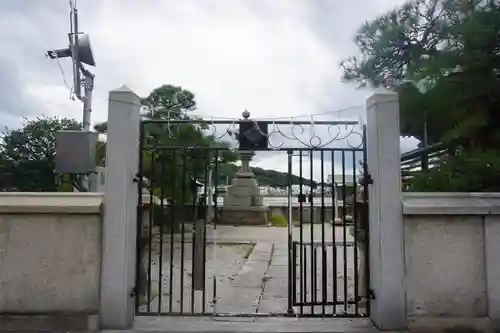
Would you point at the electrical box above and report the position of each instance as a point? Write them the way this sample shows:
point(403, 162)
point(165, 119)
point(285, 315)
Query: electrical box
point(75, 152)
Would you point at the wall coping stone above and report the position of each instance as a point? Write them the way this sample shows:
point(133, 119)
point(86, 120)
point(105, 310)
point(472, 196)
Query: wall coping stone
point(451, 203)
point(51, 203)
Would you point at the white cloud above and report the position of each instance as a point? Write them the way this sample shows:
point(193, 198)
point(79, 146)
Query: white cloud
point(228, 53)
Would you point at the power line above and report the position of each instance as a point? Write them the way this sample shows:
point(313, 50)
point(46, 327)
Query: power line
point(71, 95)
point(284, 118)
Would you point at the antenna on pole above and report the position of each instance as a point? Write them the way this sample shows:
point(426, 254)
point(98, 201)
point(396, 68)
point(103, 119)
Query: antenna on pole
point(75, 150)
point(80, 52)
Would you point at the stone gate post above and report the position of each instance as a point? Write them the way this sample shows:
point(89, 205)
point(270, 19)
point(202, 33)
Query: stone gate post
point(385, 212)
point(120, 213)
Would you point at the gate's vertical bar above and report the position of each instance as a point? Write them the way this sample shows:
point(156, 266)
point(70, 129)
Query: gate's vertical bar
point(183, 208)
point(173, 225)
point(334, 240)
point(311, 224)
point(294, 272)
point(193, 259)
point(194, 211)
point(150, 220)
point(206, 203)
point(303, 262)
point(162, 222)
point(291, 259)
point(216, 216)
point(139, 284)
point(344, 230)
point(323, 250)
point(355, 228)
point(366, 224)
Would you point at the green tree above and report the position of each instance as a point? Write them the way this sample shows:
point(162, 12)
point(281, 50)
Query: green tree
point(451, 47)
point(27, 155)
point(186, 150)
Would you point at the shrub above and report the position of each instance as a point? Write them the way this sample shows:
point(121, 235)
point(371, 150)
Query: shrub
point(472, 171)
point(278, 220)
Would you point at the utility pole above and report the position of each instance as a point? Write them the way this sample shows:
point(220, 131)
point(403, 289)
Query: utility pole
point(88, 81)
point(80, 52)
point(87, 98)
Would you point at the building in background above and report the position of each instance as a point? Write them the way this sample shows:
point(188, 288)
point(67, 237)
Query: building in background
point(342, 185)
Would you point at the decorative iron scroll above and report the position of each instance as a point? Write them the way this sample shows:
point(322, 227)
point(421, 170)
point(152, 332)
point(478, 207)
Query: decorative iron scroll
point(270, 135)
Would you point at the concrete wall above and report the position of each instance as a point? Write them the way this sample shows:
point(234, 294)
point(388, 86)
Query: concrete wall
point(50, 259)
point(452, 260)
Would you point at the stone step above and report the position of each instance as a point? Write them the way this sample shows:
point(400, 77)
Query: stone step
point(252, 324)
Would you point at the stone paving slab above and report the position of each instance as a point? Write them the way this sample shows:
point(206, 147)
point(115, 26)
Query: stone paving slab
point(272, 304)
point(252, 273)
point(280, 260)
point(281, 250)
point(278, 272)
point(261, 252)
point(276, 287)
point(238, 300)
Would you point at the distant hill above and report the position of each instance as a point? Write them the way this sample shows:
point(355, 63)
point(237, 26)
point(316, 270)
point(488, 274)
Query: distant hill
point(264, 177)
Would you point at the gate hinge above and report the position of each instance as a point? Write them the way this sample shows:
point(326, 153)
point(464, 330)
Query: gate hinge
point(133, 292)
point(371, 294)
point(368, 180)
point(136, 178)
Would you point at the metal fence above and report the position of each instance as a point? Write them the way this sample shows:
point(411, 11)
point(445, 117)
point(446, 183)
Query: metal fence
point(424, 159)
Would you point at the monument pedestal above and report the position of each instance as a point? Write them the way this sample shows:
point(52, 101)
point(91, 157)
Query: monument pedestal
point(244, 216)
point(243, 201)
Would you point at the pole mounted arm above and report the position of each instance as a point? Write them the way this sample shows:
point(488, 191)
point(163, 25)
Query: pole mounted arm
point(62, 53)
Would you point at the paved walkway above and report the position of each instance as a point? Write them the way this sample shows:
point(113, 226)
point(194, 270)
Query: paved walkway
point(250, 268)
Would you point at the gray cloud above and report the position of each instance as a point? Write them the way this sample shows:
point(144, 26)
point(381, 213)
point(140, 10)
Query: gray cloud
point(27, 30)
point(14, 100)
point(288, 64)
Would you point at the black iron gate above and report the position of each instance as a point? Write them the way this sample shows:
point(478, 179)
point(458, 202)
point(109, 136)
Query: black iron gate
point(181, 184)
point(329, 266)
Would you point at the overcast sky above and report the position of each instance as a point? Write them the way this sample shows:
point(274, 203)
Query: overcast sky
point(276, 58)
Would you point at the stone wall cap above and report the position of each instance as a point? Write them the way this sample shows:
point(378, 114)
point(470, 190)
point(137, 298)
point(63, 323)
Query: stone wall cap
point(381, 96)
point(125, 95)
point(51, 203)
point(444, 203)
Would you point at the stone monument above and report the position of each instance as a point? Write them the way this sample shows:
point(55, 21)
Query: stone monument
point(243, 204)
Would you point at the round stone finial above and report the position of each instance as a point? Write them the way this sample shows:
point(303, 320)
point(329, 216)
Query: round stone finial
point(245, 114)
